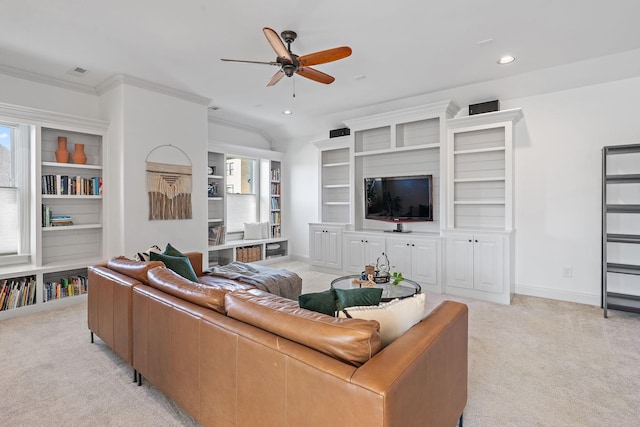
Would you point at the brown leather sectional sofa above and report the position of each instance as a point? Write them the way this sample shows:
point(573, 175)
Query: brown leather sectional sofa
point(232, 355)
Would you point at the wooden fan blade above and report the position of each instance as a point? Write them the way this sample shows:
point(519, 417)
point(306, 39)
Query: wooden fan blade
point(251, 62)
point(277, 44)
point(313, 74)
point(276, 78)
point(324, 56)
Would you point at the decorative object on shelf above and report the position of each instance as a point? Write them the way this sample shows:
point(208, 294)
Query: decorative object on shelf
point(169, 185)
point(62, 154)
point(79, 158)
point(383, 269)
point(211, 170)
point(213, 189)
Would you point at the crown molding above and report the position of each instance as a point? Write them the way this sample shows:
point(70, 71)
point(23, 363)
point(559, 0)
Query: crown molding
point(49, 118)
point(242, 126)
point(511, 115)
point(445, 108)
point(119, 79)
point(241, 150)
point(51, 81)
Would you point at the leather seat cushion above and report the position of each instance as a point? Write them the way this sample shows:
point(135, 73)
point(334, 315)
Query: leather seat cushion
point(353, 341)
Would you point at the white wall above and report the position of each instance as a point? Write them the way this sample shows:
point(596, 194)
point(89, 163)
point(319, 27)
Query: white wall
point(299, 195)
point(557, 182)
point(42, 96)
point(229, 133)
point(150, 119)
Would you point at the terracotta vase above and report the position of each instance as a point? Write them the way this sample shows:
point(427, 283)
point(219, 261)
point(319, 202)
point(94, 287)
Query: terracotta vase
point(79, 158)
point(62, 154)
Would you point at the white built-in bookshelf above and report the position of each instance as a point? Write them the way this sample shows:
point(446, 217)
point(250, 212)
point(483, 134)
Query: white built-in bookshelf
point(56, 272)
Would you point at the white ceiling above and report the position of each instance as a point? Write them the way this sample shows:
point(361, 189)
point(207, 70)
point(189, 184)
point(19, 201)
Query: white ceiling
point(402, 47)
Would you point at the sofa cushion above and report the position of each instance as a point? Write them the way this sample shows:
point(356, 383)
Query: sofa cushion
point(357, 297)
point(134, 269)
point(321, 302)
point(179, 264)
point(171, 251)
point(352, 341)
point(210, 295)
point(395, 317)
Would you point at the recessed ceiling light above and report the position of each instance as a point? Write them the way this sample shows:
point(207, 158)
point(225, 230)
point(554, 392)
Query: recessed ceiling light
point(287, 112)
point(213, 108)
point(507, 59)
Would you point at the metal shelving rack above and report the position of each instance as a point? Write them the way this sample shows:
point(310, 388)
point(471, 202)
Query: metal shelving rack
point(621, 299)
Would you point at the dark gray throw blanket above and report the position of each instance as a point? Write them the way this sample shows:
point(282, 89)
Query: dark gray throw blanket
point(278, 282)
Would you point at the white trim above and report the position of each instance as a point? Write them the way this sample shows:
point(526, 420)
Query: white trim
point(405, 115)
point(119, 79)
point(558, 294)
point(47, 80)
point(9, 112)
point(490, 120)
point(240, 126)
point(239, 150)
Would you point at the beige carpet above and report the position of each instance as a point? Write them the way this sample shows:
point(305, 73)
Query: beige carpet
point(536, 362)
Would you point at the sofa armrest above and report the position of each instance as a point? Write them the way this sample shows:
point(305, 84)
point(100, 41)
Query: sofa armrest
point(109, 309)
point(196, 262)
point(425, 370)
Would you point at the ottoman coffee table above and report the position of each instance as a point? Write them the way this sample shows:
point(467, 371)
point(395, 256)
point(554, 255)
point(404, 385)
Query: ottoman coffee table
point(404, 289)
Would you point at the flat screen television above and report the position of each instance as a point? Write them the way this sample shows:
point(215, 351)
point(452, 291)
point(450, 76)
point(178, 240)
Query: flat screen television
point(399, 198)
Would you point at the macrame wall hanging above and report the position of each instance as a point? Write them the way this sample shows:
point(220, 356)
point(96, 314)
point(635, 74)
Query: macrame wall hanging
point(169, 185)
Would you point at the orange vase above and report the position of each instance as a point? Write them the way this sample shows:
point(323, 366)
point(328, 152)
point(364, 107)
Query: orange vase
point(62, 154)
point(79, 158)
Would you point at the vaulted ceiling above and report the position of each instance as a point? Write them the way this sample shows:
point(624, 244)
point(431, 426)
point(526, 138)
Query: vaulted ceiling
point(400, 48)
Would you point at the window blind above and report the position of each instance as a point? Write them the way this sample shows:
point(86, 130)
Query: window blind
point(9, 223)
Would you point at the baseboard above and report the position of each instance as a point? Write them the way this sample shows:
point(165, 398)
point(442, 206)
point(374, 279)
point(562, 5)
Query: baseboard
point(561, 295)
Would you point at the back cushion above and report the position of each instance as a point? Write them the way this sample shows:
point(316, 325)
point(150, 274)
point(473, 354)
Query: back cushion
point(210, 295)
point(353, 341)
point(134, 269)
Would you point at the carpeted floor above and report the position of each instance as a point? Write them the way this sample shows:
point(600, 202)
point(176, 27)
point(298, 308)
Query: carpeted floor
point(536, 362)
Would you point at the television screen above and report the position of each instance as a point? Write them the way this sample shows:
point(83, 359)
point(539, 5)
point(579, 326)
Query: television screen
point(406, 198)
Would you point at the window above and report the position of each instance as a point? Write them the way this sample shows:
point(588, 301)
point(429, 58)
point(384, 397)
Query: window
point(243, 200)
point(14, 193)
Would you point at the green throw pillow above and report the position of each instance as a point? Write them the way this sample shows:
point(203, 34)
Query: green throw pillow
point(180, 264)
point(357, 297)
point(321, 302)
point(171, 251)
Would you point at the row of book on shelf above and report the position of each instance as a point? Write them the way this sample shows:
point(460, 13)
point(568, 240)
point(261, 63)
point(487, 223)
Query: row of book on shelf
point(61, 185)
point(216, 235)
point(275, 217)
point(17, 292)
point(275, 174)
point(66, 287)
point(275, 188)
point(275, 203)
point(276, 231)
point(50, 220)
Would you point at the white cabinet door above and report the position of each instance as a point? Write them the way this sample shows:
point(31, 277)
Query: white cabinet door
point(460, 261)
point(374, 247)
point(424, 262)
point(354, 253)
point(488, 262)
point(325, 246)
point(399, 253)
point(316, 244)
point(332, 242)
point(361, 250)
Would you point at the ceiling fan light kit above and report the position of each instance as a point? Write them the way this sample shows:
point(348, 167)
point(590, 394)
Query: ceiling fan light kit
point(291, 64)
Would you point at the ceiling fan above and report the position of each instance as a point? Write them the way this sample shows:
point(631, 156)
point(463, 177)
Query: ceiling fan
point(291, 64)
